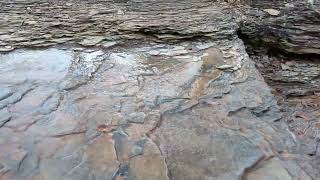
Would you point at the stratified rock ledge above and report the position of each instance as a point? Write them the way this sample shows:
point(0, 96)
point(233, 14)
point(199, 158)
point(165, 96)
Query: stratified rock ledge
point(141, 90)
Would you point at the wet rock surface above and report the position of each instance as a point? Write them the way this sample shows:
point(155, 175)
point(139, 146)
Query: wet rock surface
point(125, 92)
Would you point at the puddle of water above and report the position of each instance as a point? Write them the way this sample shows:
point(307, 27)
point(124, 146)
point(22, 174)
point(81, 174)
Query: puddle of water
point(34, 65)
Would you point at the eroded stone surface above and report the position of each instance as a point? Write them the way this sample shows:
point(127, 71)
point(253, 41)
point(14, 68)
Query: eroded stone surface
point(206, 122)
point(186, 104)
point(98, 22)
point(271, 169)
point(291, 26)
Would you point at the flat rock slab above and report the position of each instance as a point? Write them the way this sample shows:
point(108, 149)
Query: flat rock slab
point(143, 116)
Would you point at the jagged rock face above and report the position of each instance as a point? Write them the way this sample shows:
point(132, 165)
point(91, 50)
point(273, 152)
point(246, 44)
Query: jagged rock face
point(294, 30)
point(166, 90)
point(37, 23)
point(293, 69)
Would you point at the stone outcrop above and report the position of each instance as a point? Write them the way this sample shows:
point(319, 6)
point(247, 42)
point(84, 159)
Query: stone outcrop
point(142, 90)
point(283, 40)
point(294, 28)
point(37, 23)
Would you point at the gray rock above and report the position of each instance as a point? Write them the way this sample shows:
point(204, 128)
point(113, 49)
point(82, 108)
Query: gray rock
point(269, 170)
point(72, 83)
point(6, 48)
point(29, 165)
point(272, 12)
point(136, 117)
point(17, 96)
point(5, 116)
point(91, 41)
point(276, 30)
point(5, 93)
point(51, 104)
point(150, 165)
point(14, 159)
point(136, 150)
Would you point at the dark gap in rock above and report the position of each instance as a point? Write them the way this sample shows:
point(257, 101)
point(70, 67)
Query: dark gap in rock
point(312, 154)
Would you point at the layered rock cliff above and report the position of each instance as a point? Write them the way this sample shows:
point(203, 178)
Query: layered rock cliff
point(157, 89)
